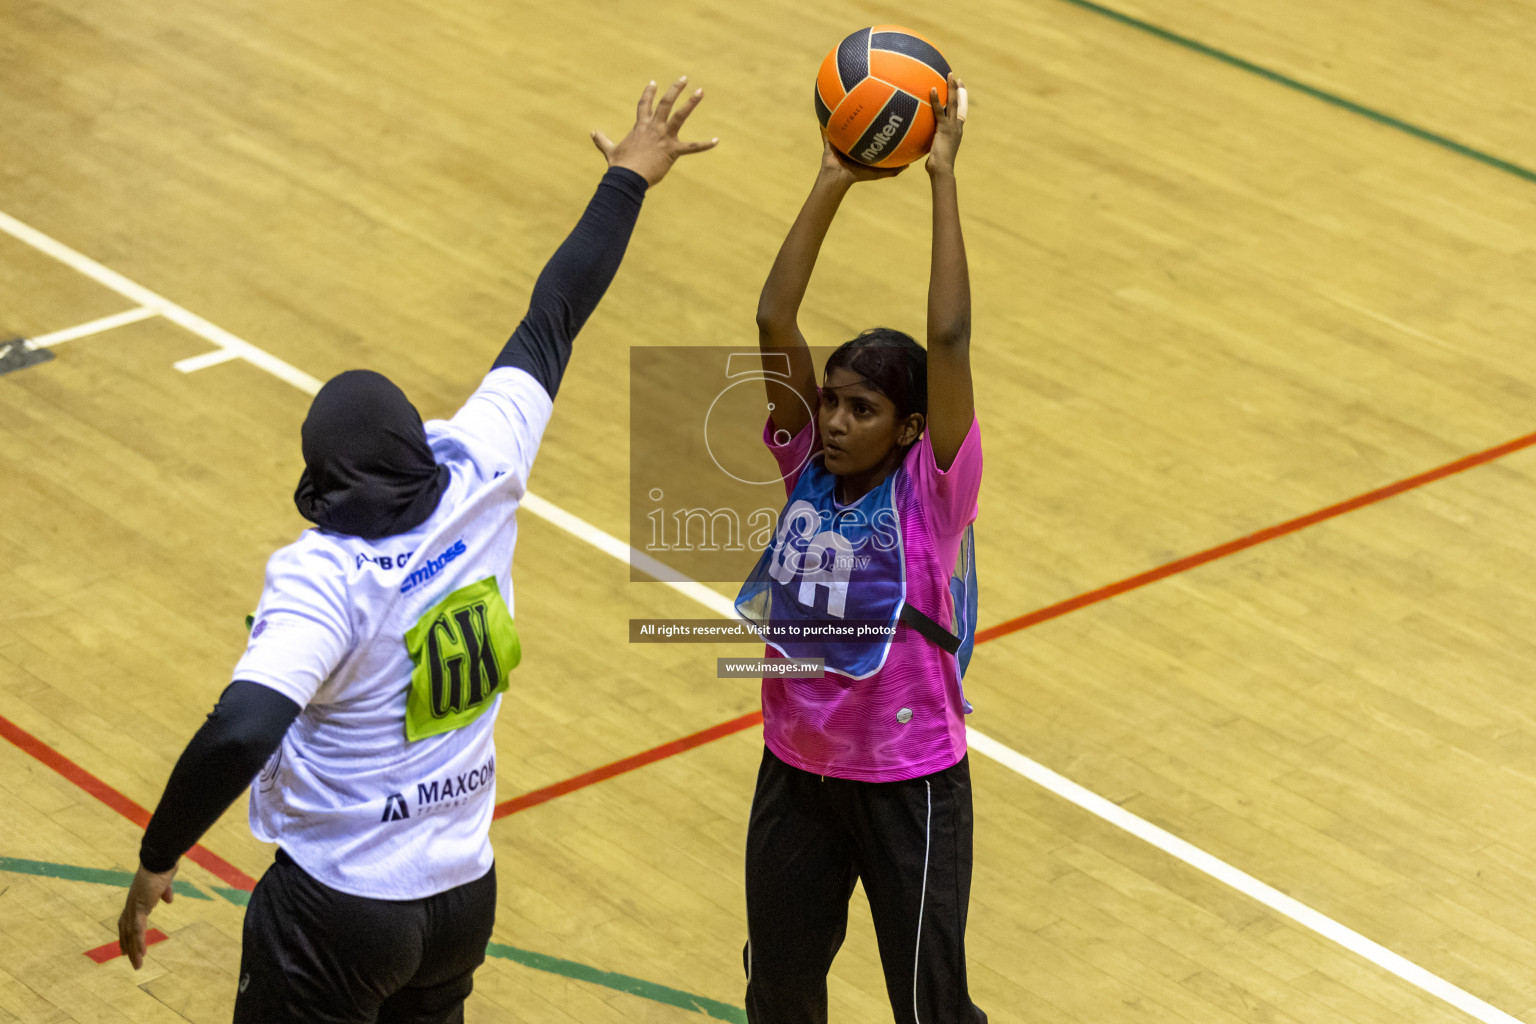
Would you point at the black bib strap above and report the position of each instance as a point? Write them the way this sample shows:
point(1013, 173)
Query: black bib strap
point(930, 629)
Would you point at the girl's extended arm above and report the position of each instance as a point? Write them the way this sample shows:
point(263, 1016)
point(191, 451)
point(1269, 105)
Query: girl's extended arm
point(575, 278)
point(778, 329)
point(951, 404)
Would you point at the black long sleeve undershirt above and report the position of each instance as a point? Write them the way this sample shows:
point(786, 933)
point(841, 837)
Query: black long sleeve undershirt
point(242, 731)
point(248, 724)
point(574, 280)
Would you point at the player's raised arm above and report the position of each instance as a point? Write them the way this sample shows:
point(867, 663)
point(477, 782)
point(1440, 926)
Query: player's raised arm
point(577, 275)
point(951, 405)
point(778, 308)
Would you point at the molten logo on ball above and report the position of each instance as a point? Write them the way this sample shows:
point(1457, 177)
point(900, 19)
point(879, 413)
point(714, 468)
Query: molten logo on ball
point(872, 153)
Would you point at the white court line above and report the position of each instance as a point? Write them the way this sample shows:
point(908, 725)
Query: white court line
point(106, 323)
point(609, 544)
point(717, 602)
point(1095, 804)
point(164, 307)
point(1239, 880)
point(194, 363)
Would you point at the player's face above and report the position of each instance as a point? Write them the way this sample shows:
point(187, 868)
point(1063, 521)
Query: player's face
point(859, 429)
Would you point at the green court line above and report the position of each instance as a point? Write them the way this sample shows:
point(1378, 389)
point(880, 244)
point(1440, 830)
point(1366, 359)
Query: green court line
point(99, 876)
point(1291, 83)
point(236, 896)
point(621, 982)
point(538, 961)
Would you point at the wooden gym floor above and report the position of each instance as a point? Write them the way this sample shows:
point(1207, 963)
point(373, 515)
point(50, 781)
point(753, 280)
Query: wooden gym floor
point(1233, 265)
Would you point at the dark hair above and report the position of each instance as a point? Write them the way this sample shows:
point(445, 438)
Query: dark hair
point(892, 363)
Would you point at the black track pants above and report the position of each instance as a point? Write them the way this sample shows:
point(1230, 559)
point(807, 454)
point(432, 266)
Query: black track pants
point(314, 955)
point(810, 838)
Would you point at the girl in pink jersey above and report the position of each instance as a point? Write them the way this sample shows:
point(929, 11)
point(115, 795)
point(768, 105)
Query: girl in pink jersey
point(864, 775)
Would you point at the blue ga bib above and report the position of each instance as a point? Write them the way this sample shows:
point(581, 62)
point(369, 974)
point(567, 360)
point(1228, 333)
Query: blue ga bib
point(828, 563)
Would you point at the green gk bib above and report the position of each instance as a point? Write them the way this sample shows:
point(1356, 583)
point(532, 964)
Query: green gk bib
point(462, 650)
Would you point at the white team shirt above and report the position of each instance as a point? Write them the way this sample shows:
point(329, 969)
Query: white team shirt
point(358, 805)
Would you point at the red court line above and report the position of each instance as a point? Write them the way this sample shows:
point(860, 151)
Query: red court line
point(240, 880)
point(115, 800)
point(1053, 611)
point(1233, 546)
point(628, 764)
point(110, 951)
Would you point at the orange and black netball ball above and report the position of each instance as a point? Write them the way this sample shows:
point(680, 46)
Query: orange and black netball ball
point(872, 95)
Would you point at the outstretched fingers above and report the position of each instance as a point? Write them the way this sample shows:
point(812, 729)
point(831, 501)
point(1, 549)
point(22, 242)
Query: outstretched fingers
point(664, 108)
point(675, 122)
point(652, 145)
point(643, 108)
point(679, 114)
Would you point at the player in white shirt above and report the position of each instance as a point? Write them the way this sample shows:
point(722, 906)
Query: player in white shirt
point(368, 694)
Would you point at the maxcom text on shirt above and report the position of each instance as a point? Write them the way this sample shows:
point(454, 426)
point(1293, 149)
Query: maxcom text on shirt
point(440, 794)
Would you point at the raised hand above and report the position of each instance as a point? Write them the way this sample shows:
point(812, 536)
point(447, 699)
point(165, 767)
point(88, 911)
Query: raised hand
point(652, 145)
point(949, 121)
point(845, 170)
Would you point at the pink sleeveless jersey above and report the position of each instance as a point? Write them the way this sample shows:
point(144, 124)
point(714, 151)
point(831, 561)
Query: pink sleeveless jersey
point(855, 729)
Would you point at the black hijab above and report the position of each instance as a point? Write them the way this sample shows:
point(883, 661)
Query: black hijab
point(367, 468)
